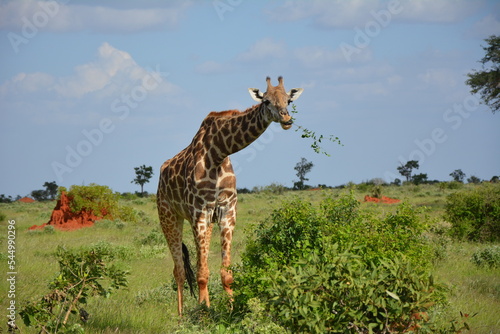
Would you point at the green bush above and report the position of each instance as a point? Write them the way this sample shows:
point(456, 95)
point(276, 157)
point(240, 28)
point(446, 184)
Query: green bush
point(338, 292)
point(393, 235)
point(100, 200)
point(488, 257)
point(290, 231)
point(475, 213)
point(328, 269)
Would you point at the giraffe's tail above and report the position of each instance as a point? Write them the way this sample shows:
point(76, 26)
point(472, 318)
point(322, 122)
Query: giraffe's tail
point(190, 277)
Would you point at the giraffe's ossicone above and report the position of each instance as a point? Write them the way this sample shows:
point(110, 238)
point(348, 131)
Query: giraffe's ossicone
point(199, 185)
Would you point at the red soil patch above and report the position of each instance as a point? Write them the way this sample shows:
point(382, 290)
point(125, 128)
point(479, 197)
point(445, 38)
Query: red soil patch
point(64, 219)
point(384, 199)
point(26, 200)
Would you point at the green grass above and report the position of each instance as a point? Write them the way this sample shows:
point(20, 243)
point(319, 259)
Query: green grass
point(148, 305)
point(473, 290)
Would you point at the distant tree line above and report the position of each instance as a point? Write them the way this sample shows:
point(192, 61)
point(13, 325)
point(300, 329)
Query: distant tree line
point(302, 168)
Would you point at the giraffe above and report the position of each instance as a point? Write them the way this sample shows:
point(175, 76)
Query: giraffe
point(199, 184)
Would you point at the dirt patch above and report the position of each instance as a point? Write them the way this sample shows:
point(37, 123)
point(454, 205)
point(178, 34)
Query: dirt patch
point(64, 219)
point(384, 199)
point(26, 200)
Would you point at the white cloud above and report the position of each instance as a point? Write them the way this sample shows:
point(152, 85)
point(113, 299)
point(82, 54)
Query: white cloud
point(58, 17)
point(113, 72)
point(111, 64)
point(29, 82)
point(357, 13)
point(262, 49)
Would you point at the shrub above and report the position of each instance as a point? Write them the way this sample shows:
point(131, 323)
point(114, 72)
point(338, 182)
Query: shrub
point(338, 292)
point(100, 200)
point(257, 322)
point(287, 233)
point(475, 213)
point(488, 257)
point(395, 234)
point(83, 274)
point(328, 269)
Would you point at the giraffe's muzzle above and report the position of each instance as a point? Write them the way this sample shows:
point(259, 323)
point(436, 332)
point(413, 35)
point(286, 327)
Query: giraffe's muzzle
point(287, 125)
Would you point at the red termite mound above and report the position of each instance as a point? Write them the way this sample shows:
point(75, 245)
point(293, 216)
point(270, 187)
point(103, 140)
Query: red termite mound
point(64, 219)
point(26, 200)
point(384, 199)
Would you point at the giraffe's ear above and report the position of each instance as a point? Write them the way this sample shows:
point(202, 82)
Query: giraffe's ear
point(295, 93)
point(256, 94)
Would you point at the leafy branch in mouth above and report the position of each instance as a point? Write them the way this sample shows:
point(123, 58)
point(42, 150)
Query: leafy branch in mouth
point(316, 139)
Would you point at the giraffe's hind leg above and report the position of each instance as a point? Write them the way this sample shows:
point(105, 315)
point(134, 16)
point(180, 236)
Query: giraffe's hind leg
point(171, 226)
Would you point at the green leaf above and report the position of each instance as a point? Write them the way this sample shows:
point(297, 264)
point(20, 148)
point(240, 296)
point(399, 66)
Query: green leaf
point(393, 295)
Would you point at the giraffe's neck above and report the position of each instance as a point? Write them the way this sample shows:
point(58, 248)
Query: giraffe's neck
point(229, 132)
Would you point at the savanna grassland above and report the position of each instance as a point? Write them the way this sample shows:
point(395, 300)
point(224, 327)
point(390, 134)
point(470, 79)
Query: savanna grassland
point(148, 304)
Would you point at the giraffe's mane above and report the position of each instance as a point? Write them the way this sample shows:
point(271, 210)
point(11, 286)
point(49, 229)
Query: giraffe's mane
point(229, 113)
point(225, 113)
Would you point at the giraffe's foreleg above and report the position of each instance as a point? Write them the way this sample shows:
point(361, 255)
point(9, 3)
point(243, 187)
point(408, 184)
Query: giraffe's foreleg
point(227, 227)
point(203, 234)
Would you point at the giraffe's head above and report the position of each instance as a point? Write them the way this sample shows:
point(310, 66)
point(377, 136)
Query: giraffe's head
point(276, 100)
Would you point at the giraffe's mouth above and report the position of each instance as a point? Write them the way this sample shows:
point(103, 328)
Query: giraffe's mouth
point(286, 125)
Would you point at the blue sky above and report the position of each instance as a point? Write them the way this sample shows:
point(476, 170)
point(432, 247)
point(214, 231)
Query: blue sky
point(91, 89)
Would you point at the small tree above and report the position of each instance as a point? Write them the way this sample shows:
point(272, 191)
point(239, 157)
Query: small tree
point(487, 81)
point(474, 179)
point(143, 174)
point(50, 192)
point(51, 189)
point(458, 175)
point(5, 199)
point(39, 195)
point(82, 274)
point(302, 167)
point(406, 169)
point(419, 178)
